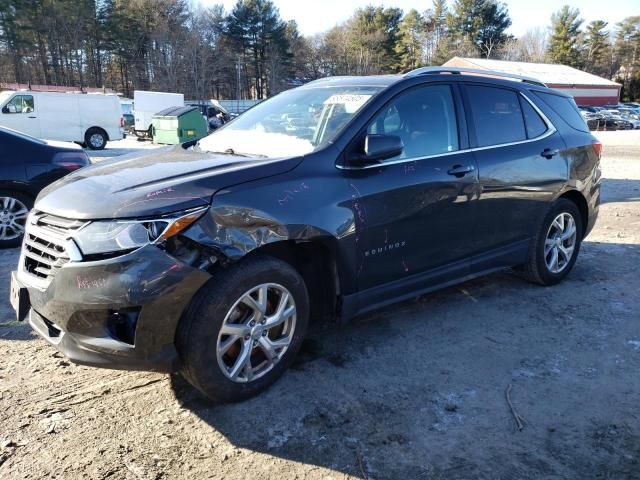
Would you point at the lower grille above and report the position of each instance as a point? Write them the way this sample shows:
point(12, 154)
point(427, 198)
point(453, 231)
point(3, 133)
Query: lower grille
point(45, 244)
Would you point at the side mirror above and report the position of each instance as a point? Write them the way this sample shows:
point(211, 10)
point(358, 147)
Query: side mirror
point(380, 147)
point(5, 109)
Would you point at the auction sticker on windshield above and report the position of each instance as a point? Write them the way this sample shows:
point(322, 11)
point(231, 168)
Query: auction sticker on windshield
point(352, 103)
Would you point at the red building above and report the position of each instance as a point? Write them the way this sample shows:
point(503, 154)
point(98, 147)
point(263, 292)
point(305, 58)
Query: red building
point(585, 88)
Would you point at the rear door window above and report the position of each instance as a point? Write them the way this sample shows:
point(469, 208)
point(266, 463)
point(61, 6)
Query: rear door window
point(496, 115)
point(566, 108)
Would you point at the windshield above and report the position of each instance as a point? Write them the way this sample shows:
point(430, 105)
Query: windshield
point(293, 123)
point(4, 96)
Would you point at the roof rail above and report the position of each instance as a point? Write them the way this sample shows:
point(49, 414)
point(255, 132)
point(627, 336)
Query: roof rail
point(473, 71)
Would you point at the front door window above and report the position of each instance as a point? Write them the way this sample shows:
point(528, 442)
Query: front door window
point(424, 118)
point(20, 104)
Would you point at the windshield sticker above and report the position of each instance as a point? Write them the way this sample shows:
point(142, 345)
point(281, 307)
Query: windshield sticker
point(352, 103)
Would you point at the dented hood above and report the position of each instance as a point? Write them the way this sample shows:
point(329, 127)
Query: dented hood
point(152, 182)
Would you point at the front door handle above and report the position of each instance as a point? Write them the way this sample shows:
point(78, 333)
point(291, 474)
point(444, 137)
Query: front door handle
point(460, 171)
point(32, 117)
point(548, 153)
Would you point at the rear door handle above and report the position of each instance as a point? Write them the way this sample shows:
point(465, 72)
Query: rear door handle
point(460, 171)
point(548, 153)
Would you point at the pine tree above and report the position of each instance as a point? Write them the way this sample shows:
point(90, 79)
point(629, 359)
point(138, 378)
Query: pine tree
point(627, 52)
point(256, 28)
point(565, 30)
point(373, 34)
point(478, 23)
point(435, 20)
point(597, 47)
point(410, 43)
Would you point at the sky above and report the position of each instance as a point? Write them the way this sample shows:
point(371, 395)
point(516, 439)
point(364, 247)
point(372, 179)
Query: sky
point(315, 16)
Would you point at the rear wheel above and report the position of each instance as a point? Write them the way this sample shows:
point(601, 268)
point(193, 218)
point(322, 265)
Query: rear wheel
point(14, 208)
point(556, 245)
point(243, 329)
point(95, 138)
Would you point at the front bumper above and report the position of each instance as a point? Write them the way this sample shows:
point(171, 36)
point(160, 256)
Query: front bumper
point(76, 311)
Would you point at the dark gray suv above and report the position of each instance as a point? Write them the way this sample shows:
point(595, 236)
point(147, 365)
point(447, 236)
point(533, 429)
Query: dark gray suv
point(323, 202)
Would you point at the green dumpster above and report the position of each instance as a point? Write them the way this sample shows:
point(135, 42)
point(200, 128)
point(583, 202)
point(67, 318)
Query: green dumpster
point(178, 125)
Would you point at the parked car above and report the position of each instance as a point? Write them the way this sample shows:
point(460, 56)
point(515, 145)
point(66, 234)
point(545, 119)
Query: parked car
point(621, 122)
point(593, 120)
point(215, 115)
point(598, 116)
point(127, 115)
point(147, 104)
point(589, 108)
point(630, 116)
point(211, 259)
point(27, 165)
point(90, 119)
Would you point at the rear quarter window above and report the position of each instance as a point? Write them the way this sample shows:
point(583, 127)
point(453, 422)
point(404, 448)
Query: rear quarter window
point(566, 108)
point(533, 122)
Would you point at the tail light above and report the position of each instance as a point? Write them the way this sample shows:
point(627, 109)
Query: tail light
point(71, 160)
point(121, 122)
point(597, 146)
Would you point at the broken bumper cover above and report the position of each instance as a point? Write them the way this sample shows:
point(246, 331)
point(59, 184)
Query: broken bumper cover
point(119, 313)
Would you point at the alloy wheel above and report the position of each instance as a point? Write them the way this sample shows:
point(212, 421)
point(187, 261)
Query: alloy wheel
point(560, 242)
point(13, 216)
point(96, 140)
point(256, 332)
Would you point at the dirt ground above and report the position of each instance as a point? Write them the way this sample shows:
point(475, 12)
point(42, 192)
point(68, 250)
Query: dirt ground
point(416, 391)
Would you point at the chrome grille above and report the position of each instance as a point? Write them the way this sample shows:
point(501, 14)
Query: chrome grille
point(46, 240)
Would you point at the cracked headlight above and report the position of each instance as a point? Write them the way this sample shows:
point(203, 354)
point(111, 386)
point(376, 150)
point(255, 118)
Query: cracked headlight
point(123, 235)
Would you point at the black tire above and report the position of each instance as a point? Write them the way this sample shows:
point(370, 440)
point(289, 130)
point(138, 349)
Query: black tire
point(25, 200)
point(197, 334)
point(96, 138)
point(536, 269)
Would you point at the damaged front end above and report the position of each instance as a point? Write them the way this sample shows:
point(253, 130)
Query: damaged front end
point(236, 231)
point(107, 306)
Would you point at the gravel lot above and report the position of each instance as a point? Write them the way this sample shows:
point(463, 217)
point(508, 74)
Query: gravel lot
point(416, 391)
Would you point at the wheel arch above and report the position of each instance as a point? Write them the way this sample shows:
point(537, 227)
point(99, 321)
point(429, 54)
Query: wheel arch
point(316, 263)
point(96, 127)
point(581, 202)
point(18, 187)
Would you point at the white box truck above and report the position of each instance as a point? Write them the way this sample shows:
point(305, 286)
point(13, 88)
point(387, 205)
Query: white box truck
point(147, 104)
point(91, 119)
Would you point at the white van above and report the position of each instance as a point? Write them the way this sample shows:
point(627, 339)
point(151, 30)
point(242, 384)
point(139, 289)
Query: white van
point(147, 104)
point(91, 119)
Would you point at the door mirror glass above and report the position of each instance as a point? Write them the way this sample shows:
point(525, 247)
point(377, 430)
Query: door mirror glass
point(381, 147)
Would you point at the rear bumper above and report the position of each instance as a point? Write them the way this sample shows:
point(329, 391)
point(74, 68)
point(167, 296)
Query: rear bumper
point(116, 134)
point(593, 207)
point(120, 313)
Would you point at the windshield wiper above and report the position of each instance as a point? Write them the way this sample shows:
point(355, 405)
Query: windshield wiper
point(231, 151)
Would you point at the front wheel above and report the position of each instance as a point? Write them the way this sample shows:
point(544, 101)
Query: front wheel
point(555, 247)
point(243, 329)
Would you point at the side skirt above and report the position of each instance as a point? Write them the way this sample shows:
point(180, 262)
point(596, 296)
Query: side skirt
point(442, 277)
